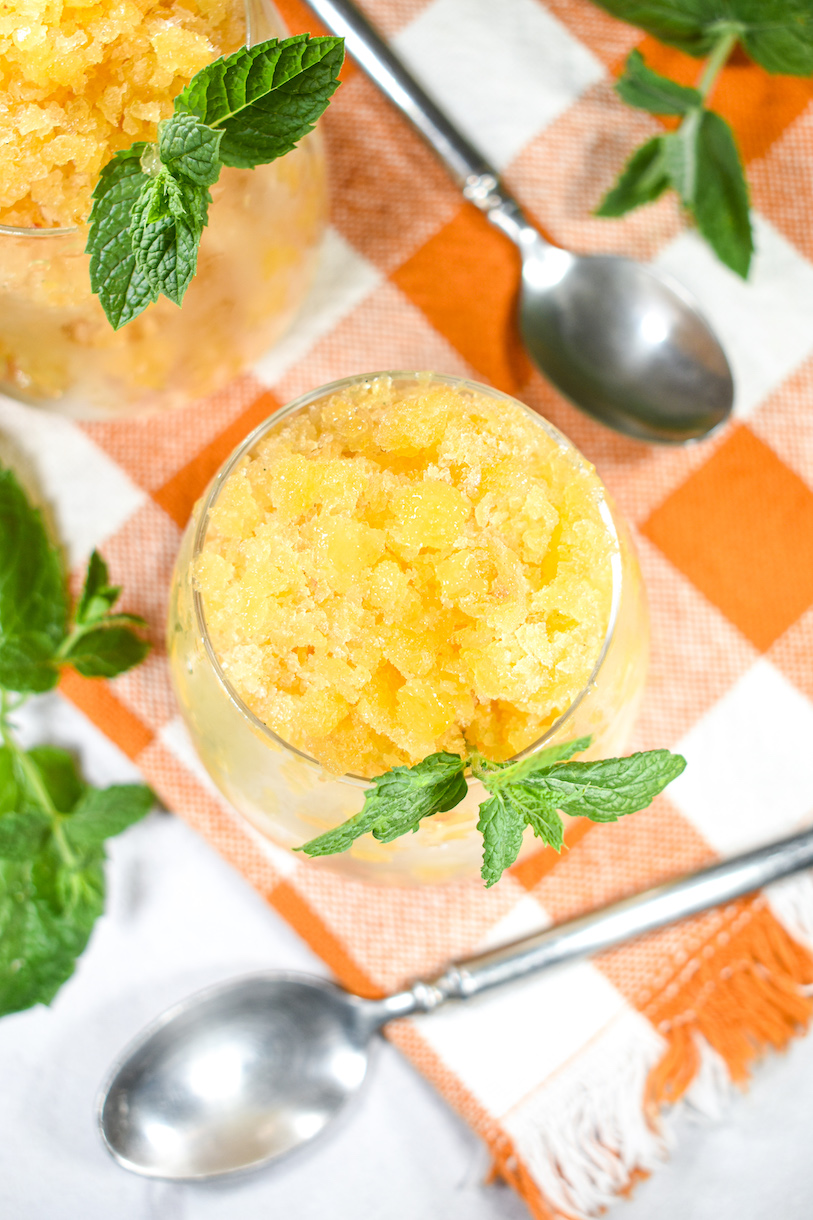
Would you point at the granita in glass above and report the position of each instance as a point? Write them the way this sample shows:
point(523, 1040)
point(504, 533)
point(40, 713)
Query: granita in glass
point(396, 565)
point(83, 79)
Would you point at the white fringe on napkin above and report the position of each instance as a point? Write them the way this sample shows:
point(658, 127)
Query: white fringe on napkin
point(585, 1134)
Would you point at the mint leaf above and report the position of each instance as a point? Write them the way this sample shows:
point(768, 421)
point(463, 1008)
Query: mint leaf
point(778, 34)
point(22, 835)
point(187, 146)
point(502, 825)
point(52, 888)
point(265, 98)
point(33, 603)
point(611, 787)
point(104, 812)
point(720, 203)
point(166, 223)
point(98, 595)
point(648, 90)
point(105, 651)
point(343, 836)
point(121, 287)
point(59, 775)
point(397, 802)
point(47, 912)
point(643, 179)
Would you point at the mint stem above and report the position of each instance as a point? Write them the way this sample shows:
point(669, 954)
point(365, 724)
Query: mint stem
point(717, 60)
point(32, 775)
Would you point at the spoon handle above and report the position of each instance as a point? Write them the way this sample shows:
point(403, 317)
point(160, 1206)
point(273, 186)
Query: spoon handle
point(373, 55)
point(621, 921)
point(478, 180)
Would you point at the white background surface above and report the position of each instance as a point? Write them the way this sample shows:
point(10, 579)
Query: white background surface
point(178, 919)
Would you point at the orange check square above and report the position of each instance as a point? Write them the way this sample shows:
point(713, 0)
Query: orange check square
point(465, 279)
point(741, 529)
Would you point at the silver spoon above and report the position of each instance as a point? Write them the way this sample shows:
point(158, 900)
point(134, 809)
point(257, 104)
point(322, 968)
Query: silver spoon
point(238, 1075)
point(622, 341)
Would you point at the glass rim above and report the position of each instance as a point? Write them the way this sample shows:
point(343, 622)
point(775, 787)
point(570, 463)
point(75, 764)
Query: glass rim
point(249, 7)
point(333, 387)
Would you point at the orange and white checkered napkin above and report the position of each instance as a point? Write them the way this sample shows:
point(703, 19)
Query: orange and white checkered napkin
point(564, 1077)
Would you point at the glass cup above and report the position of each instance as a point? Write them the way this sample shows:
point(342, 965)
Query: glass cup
point(289, 798)
point(257, 258)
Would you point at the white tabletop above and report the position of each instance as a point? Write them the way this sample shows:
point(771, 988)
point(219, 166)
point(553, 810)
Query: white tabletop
point(179, 918)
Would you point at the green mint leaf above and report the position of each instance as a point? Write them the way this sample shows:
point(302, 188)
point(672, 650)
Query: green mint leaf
point(122, 289)
point(98, 596)
point(611, 787)
point(165, 228)
point(47, 912)
point(778, 34)
point(105, 651)
point(104, 812)
point(265, 98)
point(59, 775)
point(405, 795)
point(648, 90)
point(397, 802)
point(25, 664)
point(541, 816)
point(33, 600)
point(22, 835)
point(187, 146)
point(502, 825)
point(34, 962)
point(343, 836)
point(643, 180)
point(720, 204)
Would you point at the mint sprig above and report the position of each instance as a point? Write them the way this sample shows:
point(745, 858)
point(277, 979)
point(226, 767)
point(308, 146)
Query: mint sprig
point(701, 160)
point(38, 637)
point(52, 824)
point(151, 203)
point(52, 833)
point(521, 794)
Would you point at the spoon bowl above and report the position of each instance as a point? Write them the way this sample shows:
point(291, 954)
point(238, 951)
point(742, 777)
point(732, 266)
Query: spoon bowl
point(626, 344)
point(235, 1076)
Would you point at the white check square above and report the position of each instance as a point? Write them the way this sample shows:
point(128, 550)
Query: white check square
point(502, 71)
point(749, 774)
point(503, 1049)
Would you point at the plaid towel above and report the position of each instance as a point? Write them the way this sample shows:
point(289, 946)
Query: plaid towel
point(566, 1076)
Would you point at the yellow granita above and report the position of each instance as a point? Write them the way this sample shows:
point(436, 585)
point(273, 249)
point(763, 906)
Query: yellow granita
point(82, 79)
point(406, 567)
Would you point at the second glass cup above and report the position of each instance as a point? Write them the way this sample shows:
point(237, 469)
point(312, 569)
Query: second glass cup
point(286, 794)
